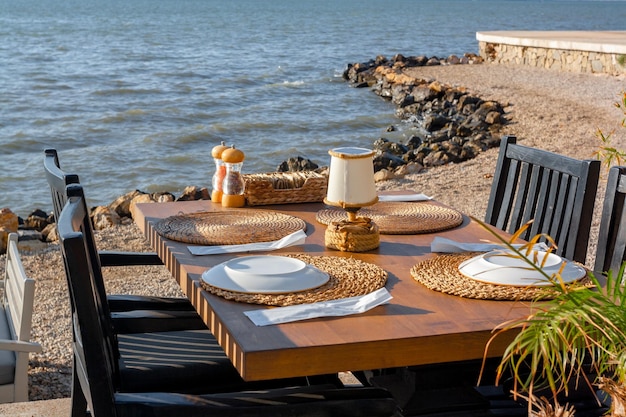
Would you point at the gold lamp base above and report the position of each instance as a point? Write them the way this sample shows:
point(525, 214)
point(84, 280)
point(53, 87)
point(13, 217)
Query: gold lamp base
point(354, 235)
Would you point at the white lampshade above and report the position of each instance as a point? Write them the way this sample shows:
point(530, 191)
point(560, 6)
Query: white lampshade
point(351, 178)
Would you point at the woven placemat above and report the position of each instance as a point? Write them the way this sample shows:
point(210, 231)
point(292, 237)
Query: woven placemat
point(349, 277)
point(441, 273)
point(400, 218)
point(232, 227)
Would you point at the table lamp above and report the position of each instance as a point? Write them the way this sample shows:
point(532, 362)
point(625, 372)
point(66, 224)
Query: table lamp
point(351, 186)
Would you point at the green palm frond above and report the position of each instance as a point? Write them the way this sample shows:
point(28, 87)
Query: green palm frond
point(580, 326)
point(606, 152)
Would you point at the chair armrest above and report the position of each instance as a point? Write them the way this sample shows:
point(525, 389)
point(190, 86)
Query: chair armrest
point(20, 346)
point(114, 258)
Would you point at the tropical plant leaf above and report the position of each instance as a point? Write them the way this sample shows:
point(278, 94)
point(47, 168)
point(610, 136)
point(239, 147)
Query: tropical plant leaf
point(581, 328)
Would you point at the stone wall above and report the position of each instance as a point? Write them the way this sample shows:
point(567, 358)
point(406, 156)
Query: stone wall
point(556, 59)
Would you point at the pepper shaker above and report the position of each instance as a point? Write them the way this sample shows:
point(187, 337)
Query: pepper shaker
point(233, 185)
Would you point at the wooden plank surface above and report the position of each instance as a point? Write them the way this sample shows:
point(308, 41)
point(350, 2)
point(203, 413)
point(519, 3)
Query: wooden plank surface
point(418, 326)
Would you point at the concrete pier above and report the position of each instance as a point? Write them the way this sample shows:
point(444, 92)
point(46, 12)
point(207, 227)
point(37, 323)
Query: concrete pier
point(571, 51)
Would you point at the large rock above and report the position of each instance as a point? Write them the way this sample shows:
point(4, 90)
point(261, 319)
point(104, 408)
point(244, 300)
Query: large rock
point(297, 164)
point(121, 205)
point(9, 223)
point(49, 234)
point(140, 198)
point(190, 193)
point(103, 217)
point(37, 220)
point(8, 220)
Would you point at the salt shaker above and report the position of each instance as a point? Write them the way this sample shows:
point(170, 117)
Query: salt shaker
point(220, 172)
point(233, 185)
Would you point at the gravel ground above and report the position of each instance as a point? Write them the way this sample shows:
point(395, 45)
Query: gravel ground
point(556, 111)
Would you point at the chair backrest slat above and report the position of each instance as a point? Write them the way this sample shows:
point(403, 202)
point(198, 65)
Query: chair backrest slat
point(611, 250)
point(19, 293)
point(57, 180)
point(564, 209)
point(555, 192)
point(546, 209)
point(537, 199)
point(508, 187)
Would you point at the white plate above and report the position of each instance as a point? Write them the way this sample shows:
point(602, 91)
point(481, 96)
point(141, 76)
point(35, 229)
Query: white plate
point(263, 265)
point(504, 267)
point(265, 275)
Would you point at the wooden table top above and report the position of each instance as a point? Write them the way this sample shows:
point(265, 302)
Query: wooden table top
point(418, 326)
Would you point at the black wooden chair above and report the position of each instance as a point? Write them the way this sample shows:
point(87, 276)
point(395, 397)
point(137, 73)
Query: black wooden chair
point(171, 359)
point(100, 378)
point(611, 249)
point(554, 191)
point(131, 313)
point(558, 194)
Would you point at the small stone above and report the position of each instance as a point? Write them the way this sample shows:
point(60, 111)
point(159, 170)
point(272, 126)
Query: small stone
point(410, 168)
point(453, 60)
point(163, 197)
point(141, 198)
point(436, 86)
point(50, 233)
point(297, 164)
point(8, 224)
point(8, 220)
point(492, 118)
point(193, 193)
point(36, 222)
point(104, 217)
point(383, 175)
point(121, 205)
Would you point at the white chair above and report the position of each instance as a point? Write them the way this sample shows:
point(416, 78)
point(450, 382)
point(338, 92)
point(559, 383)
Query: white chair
point(16, 312)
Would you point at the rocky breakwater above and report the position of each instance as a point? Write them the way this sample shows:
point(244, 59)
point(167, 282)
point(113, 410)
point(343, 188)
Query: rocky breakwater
point(441, 123)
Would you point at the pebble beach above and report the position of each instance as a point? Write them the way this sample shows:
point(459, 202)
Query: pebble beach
point(552, 110)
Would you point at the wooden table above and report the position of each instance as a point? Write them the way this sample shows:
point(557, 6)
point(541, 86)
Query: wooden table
point(419, 326)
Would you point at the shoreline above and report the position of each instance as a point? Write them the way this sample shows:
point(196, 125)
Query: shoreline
point(551, 110)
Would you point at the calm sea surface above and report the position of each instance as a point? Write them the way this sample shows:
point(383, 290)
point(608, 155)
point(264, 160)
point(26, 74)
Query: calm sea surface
point(134, 94)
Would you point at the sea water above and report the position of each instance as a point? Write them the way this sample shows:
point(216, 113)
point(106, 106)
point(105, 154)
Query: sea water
point(134, 94)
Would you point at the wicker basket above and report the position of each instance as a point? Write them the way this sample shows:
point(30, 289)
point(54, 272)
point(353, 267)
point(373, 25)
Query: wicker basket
point(284, 187)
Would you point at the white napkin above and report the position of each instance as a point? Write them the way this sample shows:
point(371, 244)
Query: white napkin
point(296, 238)
point(404, 197)
point(441, 244)
point(333, 308)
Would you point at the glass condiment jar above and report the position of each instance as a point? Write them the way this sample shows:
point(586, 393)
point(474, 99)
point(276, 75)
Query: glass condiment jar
point(233, 185)
point(220, 172)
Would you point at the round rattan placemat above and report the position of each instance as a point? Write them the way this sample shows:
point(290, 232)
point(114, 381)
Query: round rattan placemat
point(349, 277)
point(441, 273)
point(400, 218)
point(232, 227)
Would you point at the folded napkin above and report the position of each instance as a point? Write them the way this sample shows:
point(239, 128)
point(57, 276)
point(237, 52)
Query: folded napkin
point(333, 308)
point(295, 238)
point(441, 244)
point(404, 197)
